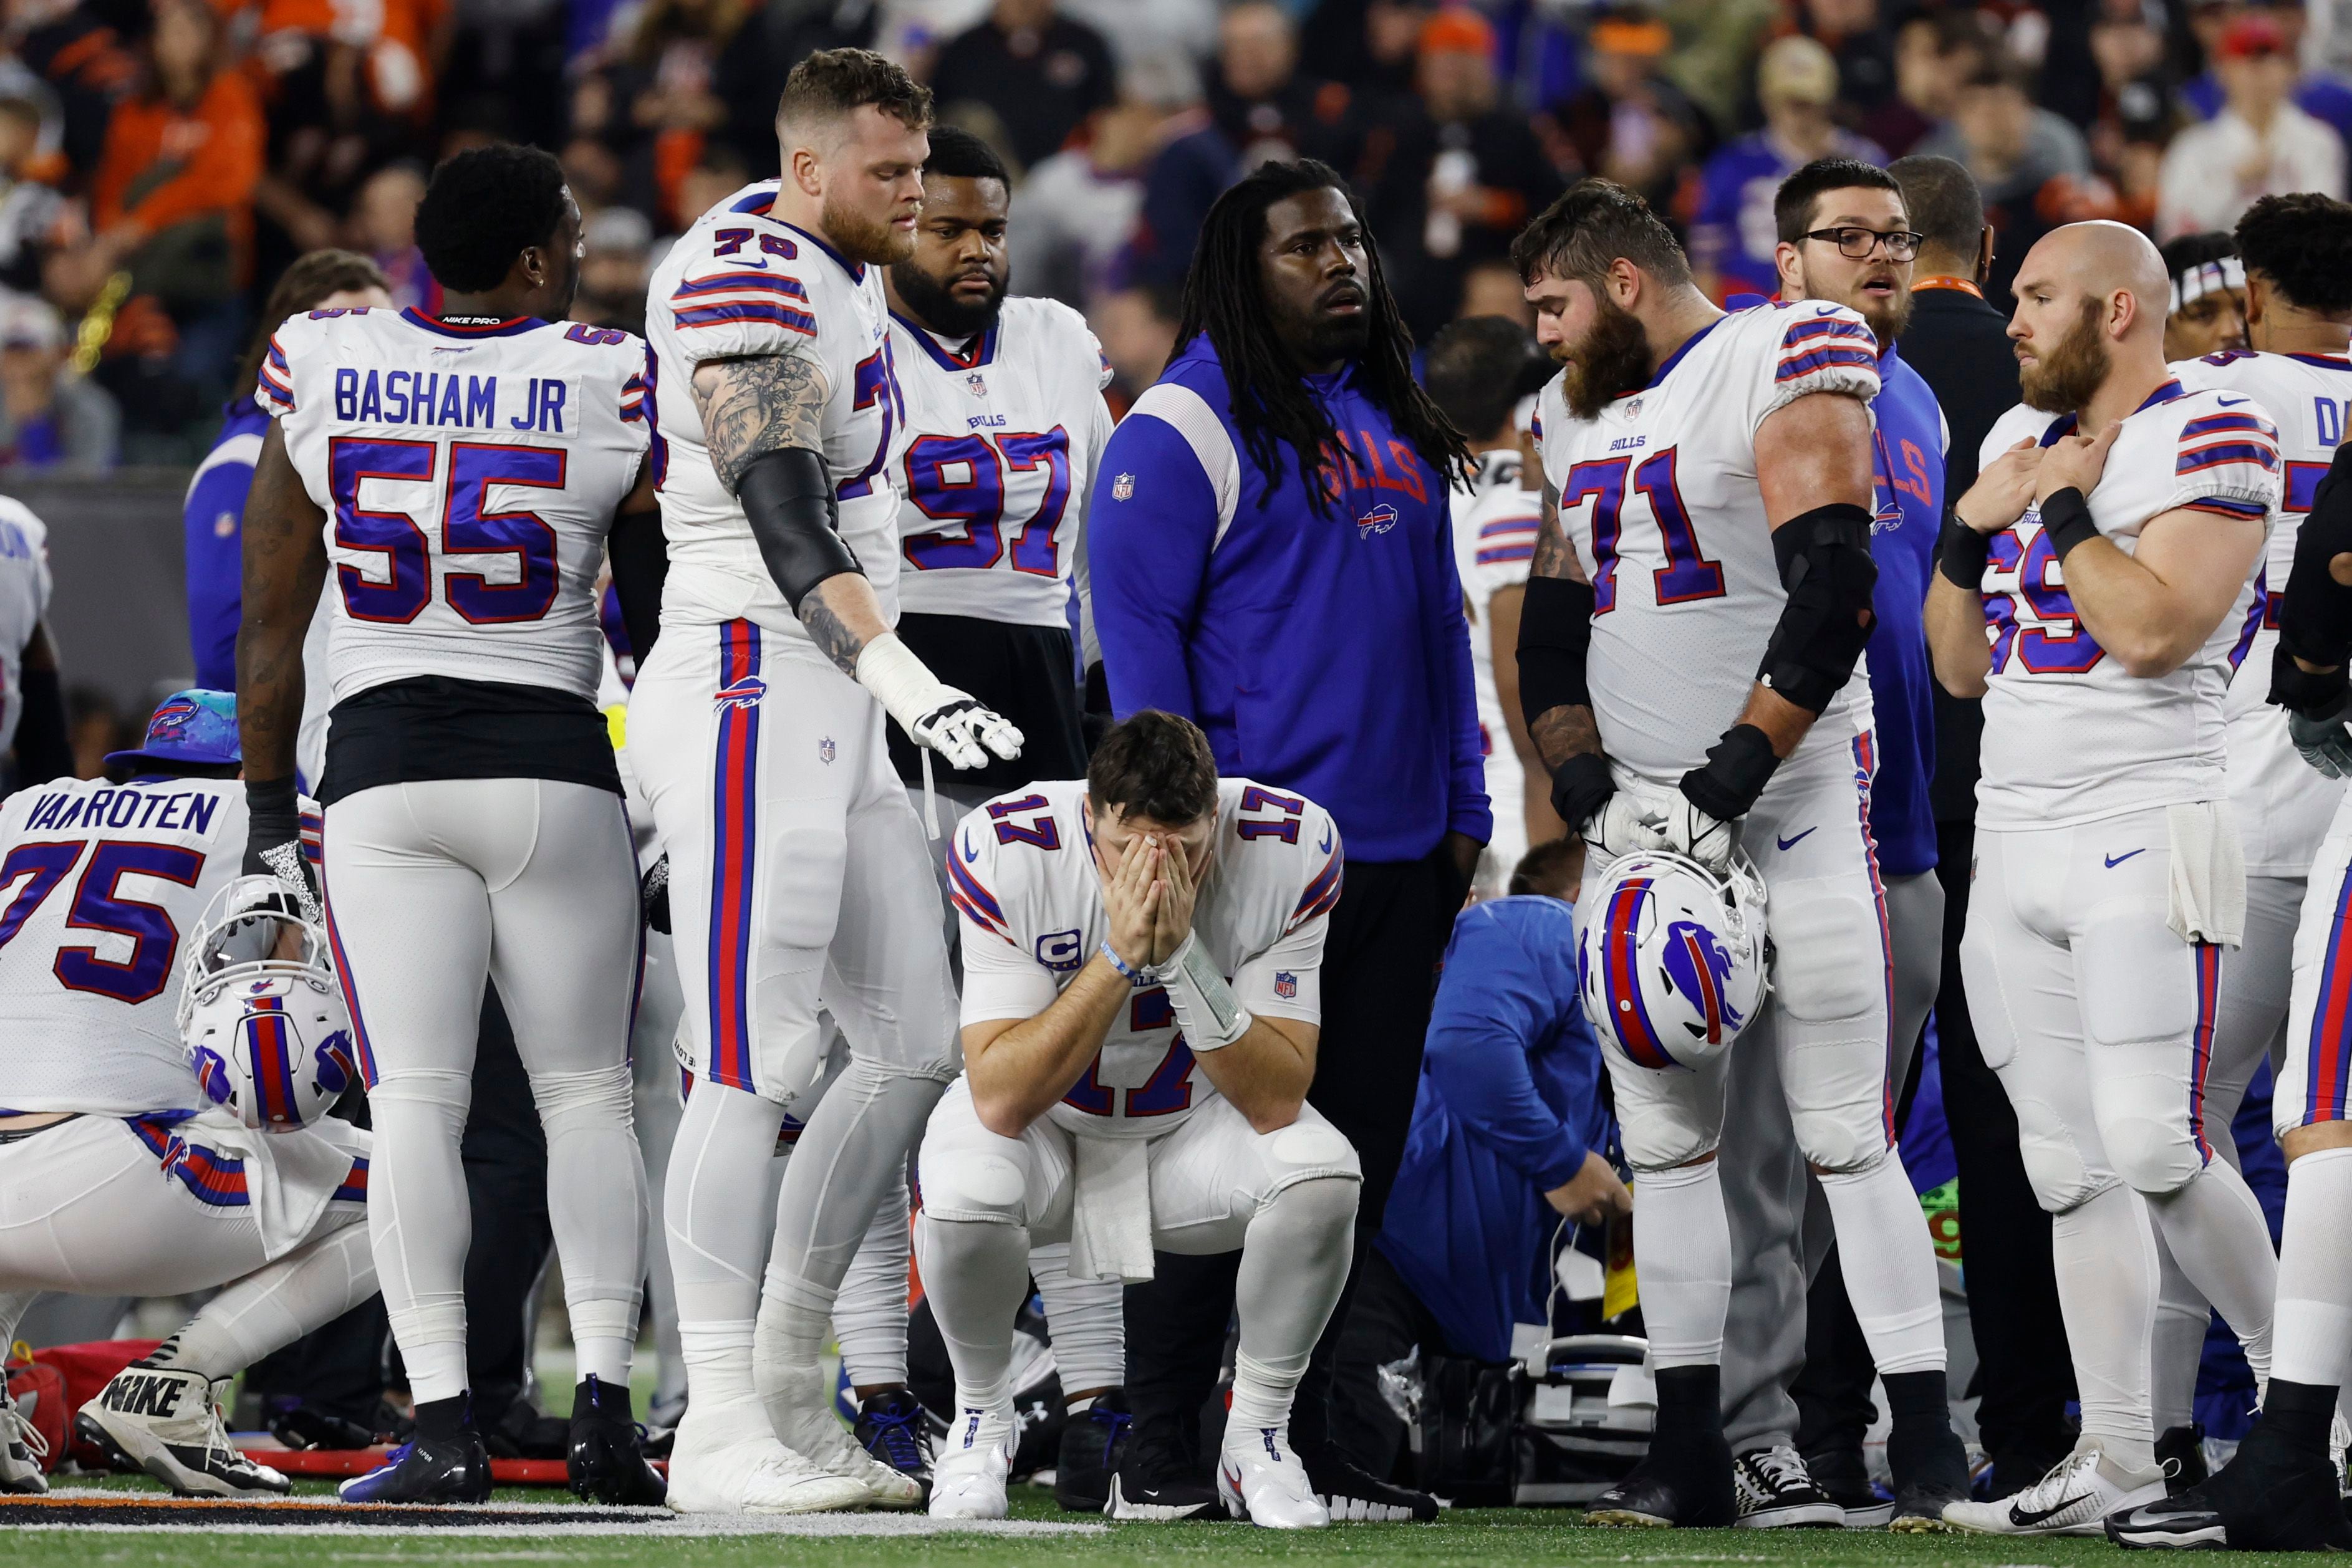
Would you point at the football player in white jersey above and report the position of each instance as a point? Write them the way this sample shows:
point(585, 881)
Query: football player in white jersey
point(1708, 504)
point(117, 1175)
point(756, 727)
point(1141, 1011)
point(1476, 371)
point(2095, 589)
point(32, 703)
point(2298, 311)
point(460, 472)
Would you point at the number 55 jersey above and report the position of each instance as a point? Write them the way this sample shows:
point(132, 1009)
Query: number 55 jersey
point(469, 471)
point(1022, 875)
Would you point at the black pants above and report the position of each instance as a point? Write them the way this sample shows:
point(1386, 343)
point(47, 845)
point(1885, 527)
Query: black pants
point(1380, 974)
point(2025, 1373)
point(1388, 1321)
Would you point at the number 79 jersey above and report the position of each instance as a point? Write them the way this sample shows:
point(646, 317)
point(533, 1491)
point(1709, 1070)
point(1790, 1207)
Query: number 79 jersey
point(1021, 872)
point(469, 474)
point(1658, 494)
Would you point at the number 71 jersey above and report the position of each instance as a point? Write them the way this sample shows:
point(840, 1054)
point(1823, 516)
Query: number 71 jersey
point(1021, 872)
point(469, 474)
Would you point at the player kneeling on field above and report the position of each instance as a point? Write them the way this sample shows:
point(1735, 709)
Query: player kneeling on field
point(1140, 1009)
point(122, 1171)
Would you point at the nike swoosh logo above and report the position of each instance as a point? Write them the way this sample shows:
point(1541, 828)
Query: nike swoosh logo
point(2229, 401)
point(1792, 844)
point(2024, 1520)
point(1324, 848)
point(971, 853)
point(2115, 861)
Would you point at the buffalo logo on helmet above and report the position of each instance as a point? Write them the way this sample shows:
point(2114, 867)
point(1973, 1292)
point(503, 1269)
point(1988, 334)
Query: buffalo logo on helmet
point(1700, 968)
point(1379, 520)
point(741, 694)
point(332, 1059)
point(171, 719)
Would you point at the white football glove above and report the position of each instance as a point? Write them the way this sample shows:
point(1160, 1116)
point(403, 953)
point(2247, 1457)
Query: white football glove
point(932, 713)
point(1616, 829)
point(1672, 823)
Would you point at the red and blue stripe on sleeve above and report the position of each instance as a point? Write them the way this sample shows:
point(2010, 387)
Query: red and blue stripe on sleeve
point(1824, 342)
point(718, 300)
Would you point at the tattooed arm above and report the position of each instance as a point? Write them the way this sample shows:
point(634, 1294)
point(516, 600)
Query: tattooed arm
point(285, 553)
point(1563, 729)
point(752, 408)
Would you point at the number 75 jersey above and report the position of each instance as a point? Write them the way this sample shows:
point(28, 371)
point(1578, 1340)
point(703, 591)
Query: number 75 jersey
point(1021, 872)
point(469, 474)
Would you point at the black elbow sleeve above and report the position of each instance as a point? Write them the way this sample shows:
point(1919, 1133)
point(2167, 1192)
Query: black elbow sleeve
point(2316, 618)
point(787, 498)
point(1825, 564)
point(1555, 636)
point(640, 556)
point(44, 736)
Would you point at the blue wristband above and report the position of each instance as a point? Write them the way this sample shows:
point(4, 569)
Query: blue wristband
point(1116, 961)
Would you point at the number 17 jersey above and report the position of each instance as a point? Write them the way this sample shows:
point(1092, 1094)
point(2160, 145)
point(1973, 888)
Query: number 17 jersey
point(469, 472)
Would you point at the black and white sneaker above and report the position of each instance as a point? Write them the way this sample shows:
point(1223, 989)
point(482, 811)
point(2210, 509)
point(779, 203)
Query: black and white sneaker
point(22, 1450)
point(1091, 1443)
point(2270, 1496)
point(897, 1430)
point(2074, 1499)
point(1684, 1482)
point(1356, 1495)
point(1775, 1491)
point(162, 1420)
point(1157, 1479)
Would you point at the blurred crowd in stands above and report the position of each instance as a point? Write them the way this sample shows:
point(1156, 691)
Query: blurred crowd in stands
point(163, 160)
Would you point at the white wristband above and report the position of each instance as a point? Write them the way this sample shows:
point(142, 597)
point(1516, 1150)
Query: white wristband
point(1208, 1012)
point(900, 682)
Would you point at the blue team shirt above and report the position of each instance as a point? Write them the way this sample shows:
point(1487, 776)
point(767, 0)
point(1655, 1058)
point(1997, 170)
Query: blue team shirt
point(1510, 1102)
point(213, 517)
point(1325, 653)
point(1733, 230)
point(1910, 511)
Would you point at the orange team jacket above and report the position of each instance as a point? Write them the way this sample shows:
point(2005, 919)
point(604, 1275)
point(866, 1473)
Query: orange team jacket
point(162, 167)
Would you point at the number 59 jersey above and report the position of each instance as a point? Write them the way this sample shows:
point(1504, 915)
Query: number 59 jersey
point(743, 284)
point(469, 474)
point(1002, 438)
point(2069, 735)
point(1021, 872)
point(1658, 494)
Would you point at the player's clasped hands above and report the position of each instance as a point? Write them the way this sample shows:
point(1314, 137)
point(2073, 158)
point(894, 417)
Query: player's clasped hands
point(2004, 488)
point(1672, 823)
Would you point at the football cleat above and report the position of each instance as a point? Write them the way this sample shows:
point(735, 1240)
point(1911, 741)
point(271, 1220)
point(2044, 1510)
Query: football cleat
point(603, 1461)
point(1776, 1492)
point(450, 1469)
point(974, 1460)
point(22, 1450)
point(1930, 1471)
point(793, 1395)
point(162, 1420)
point(711, 1471)
point(1355, 1495)
point(1684, 1482)
point(2270, 1496)
point(2074, 1499)
point(1157, 1479)
point(896, 1429)
point(1091, 1444)
point(1262, 1481)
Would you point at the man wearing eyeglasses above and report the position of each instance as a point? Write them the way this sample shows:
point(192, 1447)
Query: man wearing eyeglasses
point(1845, 239)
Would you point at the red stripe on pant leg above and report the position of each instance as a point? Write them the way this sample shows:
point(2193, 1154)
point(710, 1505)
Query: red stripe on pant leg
point(734, 831)
point(2200, 1042)
point(1865, 768)
point(2324, 1072)
point(351, 986)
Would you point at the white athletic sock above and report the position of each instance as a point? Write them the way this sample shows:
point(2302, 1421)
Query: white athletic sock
point(2312, 1331)
point(1087, 1319)
point(2104, 1254)
point(1681, 1253)
point(869, 1316)
point(2215, 1227)
point(603, 1338)
point(596, 1209)
point(2181, 1316)
point(278, 1303)
point(1294, 1258)
point(1263, 1392)
point(420, 1223)
point(722, 1404)
point(975, 1274)
point(1889, 1263)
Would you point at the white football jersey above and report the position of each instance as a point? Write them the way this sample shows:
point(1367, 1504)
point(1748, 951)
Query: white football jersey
point(24, 601)
point(103, 882)
point(1002, 434)
point(1494, 527)
point(2283, 804)
point(1021, 872)
point(740, 284)
point(2069, 738)
point(1659, 496)
point(469, 474)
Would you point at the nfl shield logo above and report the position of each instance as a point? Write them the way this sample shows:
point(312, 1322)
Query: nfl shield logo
point(978, 383)
point(1286, 984)
point(1122, 487)
point(825, 752)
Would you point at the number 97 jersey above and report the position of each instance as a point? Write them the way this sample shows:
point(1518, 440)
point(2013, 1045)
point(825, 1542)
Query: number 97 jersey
point(1021, 872)
point(469, 474)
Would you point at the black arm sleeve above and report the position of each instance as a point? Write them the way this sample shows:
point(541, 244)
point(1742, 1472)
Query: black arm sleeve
point(1555, 636)
point(1824, 557)
point(788, 500)
point(43, 739)
point(640, 566)
point(2315, 622)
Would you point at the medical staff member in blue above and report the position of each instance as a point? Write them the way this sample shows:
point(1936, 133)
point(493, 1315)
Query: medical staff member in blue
point(1845, 237)
point(1272, 558)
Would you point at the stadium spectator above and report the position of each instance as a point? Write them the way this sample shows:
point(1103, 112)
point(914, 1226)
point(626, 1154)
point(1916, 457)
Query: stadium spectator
point(2208, 295)
point(1856, 35)
point(2258, 145)
point(615, 264)
point(1934, 54)
point(1137, 328)
point(1732, 233)
point(383, 227)
point(718, 174)
point(1322, 640)
point(691, 73)
point(1493, 289)
point(1454, 173)
point(50, 416)
point(1628, 122)
point(1961, 345)
point(84, 61)
point(1078, 208)
point(2030, 166)
point(1509, 1138)
point(1037, 72)
point(2324, 94)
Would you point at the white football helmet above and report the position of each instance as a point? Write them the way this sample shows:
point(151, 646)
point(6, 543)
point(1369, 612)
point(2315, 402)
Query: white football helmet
point(1671, 958)
point(260, 1013)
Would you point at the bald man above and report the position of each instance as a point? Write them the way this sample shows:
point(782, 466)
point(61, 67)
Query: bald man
point(2097, 586)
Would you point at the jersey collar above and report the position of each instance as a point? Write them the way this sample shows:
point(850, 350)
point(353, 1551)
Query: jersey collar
point(2325, 362)
point(856, 269)
point(978, 350)
point(2063, 425)
point(506, 328)
point(1689, 344)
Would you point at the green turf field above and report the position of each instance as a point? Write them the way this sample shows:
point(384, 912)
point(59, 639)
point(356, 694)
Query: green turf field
point(1504, 1538)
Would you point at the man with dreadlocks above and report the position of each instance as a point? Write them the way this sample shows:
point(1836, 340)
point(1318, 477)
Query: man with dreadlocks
point(1271, 559)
